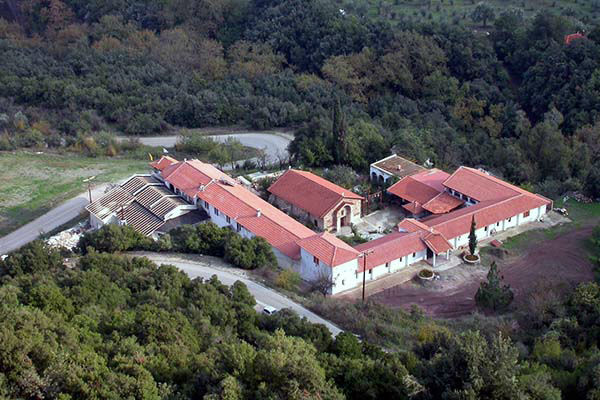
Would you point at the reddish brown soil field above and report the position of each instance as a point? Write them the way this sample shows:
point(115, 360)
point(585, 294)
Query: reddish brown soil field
point(552, 263)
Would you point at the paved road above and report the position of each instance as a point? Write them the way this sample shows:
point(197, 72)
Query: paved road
point(49, 221)
point(275, 144)
point(263, 295)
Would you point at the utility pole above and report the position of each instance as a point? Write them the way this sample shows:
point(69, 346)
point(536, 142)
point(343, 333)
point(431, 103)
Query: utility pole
point(89, 185)
point(364, 255)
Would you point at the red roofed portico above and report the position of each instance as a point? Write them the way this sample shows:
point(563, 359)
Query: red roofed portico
point(314, 199)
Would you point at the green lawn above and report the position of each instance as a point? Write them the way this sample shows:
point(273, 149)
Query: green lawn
point(580, 213)
point(33, 183)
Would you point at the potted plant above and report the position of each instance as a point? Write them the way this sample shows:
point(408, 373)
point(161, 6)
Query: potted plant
point(426, 275)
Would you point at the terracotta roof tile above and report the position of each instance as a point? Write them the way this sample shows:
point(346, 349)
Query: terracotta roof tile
point(390, 247)
point(437, 242)
point(442, 203)
point(163, 162)
point(480, 185)
point(486, 213)
point(329, 249)
point(278, 228)
point(310, 192)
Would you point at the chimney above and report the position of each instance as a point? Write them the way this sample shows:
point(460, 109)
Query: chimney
point(258, 213)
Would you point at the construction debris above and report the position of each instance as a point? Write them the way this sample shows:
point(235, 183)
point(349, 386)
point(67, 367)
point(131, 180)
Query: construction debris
point(69, 238)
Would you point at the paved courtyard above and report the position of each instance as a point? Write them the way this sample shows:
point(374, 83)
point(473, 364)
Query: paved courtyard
point(376, 224)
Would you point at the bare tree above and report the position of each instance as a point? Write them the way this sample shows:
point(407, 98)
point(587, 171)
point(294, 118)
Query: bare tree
point(322, 283)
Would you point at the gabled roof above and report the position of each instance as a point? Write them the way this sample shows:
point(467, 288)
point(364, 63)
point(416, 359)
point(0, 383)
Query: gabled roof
point(412, 190)
point(480, 185)
point(188, 176)
point(310, 192)
point(163, 162)
point(329, 249)
point(421, 188)
point(437, 242)
point(279, 229)
point(390, 247)
point(487, 212)
point(413, 207)
point(442, 203)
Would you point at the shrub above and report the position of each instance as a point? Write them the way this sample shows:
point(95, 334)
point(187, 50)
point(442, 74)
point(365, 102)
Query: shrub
point(288, 279)
point(112, 238)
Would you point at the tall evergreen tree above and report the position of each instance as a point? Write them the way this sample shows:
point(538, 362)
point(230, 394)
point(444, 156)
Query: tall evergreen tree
point(473, 237)
point(492, 294)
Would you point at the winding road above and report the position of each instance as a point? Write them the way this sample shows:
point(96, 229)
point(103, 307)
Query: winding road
point(263, 295)
point(276, 144)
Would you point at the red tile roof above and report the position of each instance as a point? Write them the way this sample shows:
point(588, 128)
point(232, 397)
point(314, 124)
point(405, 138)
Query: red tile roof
point(187, 176)
point(573, 36)
point(163, 162)
point(411, 190)
point(437, 242)
point(310, 192)
point(280, 230)
point(413, 207)
point(412, 225)
point(480, 185)
point(442, 203)
point(389, 248)
point(486, 213)
point(329, 249)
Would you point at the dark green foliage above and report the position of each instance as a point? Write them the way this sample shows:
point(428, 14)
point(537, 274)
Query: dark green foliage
point(249, 253)
point(473, 237)
point(492, 294)
point(112, 238)
point(35, 257)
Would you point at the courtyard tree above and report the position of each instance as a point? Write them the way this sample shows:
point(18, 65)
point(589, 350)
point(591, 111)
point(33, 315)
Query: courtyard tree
point(473, 237)
point(492, 294)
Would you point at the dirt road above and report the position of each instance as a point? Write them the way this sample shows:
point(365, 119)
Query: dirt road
point(558, 263)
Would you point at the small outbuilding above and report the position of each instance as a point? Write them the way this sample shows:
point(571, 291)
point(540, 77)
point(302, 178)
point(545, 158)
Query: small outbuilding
point(313, 199)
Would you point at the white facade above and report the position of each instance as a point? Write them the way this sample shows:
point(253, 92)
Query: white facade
point(343, 277)
point(500, 226)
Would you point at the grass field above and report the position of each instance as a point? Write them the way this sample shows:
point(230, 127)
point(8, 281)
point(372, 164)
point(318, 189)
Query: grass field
point(31, 184)
point(582, 215)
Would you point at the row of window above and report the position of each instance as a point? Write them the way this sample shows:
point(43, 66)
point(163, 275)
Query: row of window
point(216, 211)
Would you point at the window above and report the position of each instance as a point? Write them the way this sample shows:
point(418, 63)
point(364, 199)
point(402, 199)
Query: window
point(498, 223)
point(387, 265)
point(216, 211)
point(370, 272)
point(343, 282)
point(526, 214)
point(228, 219)
point(486, 228)
point(238, 227)
point(400, 259)
point(414, 255)
point(509, 219)
point(315, 260)
point(206, 204)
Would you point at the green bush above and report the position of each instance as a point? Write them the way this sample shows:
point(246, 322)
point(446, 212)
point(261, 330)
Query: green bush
point(112, 238)
point(288, 279)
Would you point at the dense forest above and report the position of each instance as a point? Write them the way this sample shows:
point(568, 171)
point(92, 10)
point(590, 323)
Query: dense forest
point(108, 326)
point(514, 98)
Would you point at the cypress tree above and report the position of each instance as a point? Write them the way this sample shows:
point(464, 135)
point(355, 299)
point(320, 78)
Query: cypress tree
point(473, 237)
